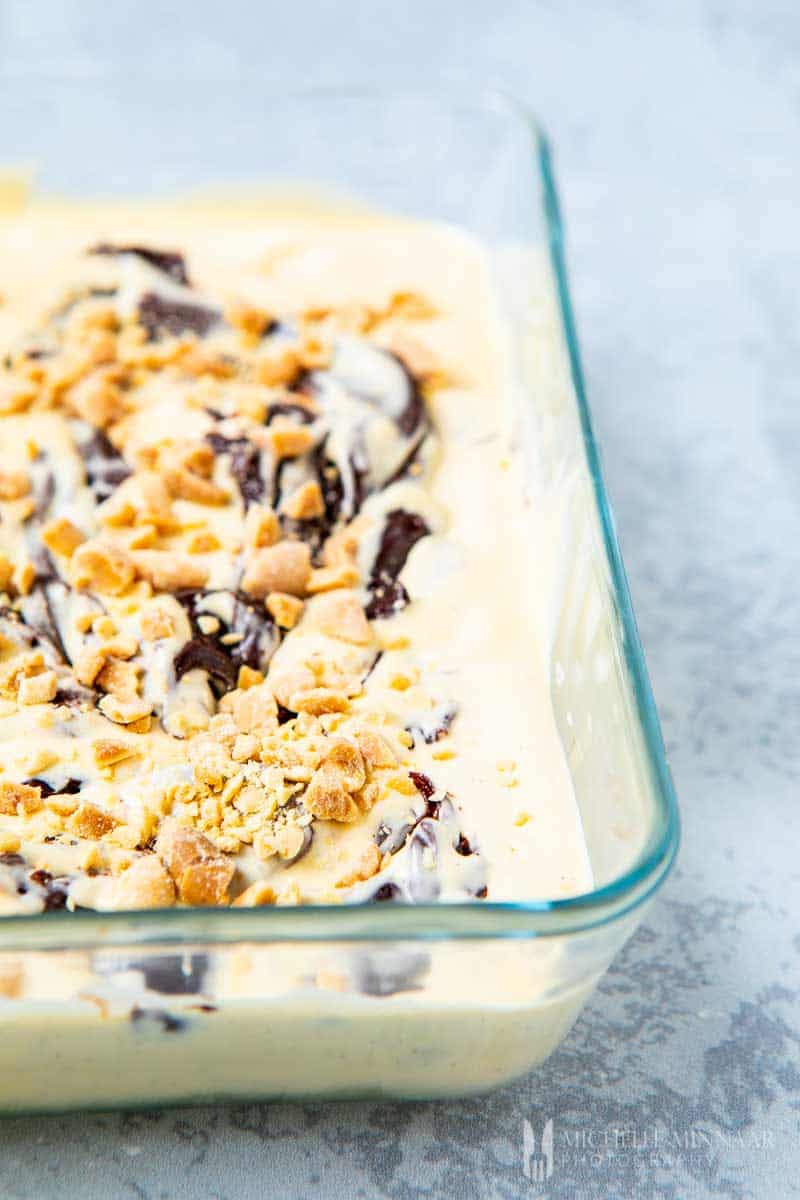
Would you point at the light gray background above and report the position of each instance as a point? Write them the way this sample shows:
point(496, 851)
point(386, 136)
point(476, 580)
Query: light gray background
point(676, 126)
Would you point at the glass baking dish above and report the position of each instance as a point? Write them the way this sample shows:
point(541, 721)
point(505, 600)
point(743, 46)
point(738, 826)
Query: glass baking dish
point(393, 1000)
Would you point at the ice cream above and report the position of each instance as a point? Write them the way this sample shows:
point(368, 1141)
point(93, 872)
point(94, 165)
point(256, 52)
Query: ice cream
point(267, 632)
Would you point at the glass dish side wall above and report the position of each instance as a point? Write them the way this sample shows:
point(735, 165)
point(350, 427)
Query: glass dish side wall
point(140, 1026)
point(610, 674)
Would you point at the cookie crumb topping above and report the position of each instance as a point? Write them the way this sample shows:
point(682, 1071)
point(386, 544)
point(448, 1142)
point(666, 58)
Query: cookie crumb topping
point(206, 511)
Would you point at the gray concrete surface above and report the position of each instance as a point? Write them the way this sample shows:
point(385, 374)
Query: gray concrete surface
point(676, 126)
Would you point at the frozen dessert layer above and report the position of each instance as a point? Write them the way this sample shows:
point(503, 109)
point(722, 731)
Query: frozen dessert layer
point(267, 631)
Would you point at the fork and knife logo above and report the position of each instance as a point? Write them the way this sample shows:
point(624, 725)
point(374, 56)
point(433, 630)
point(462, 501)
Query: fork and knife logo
point(537, 1165)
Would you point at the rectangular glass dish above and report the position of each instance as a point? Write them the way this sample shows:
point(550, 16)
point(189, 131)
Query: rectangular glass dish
point(426, 1000)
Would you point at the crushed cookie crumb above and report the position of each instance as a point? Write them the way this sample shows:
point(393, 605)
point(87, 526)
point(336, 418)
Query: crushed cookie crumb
point(276, 366)
point(88, 665)
point(201, 873)
point(203, 543)
point(61, 536)
point(14, 485)
point(255, 896)
point(89, 821)
point(367, 864)
point(284, 609)
point(319, 700)
point(20, 797)
point(38, 689)
point(169, 572)
point(287, 439)
point(327, 797)
point(108, 752)
point(124, 709)
point(251, 321)
point(103, 567)
point(326, 579)
point(6, 572)
point(305, 502)
point(375, 750)
point(340, 614)
point(156, 623)
point(284, 567)
point(145, 884)
point(261, 527)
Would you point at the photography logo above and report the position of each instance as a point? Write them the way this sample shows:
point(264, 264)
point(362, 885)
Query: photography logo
point(537, 1162)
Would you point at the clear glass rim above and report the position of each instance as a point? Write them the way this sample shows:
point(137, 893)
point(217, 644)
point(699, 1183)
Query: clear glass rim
point(412, 922)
